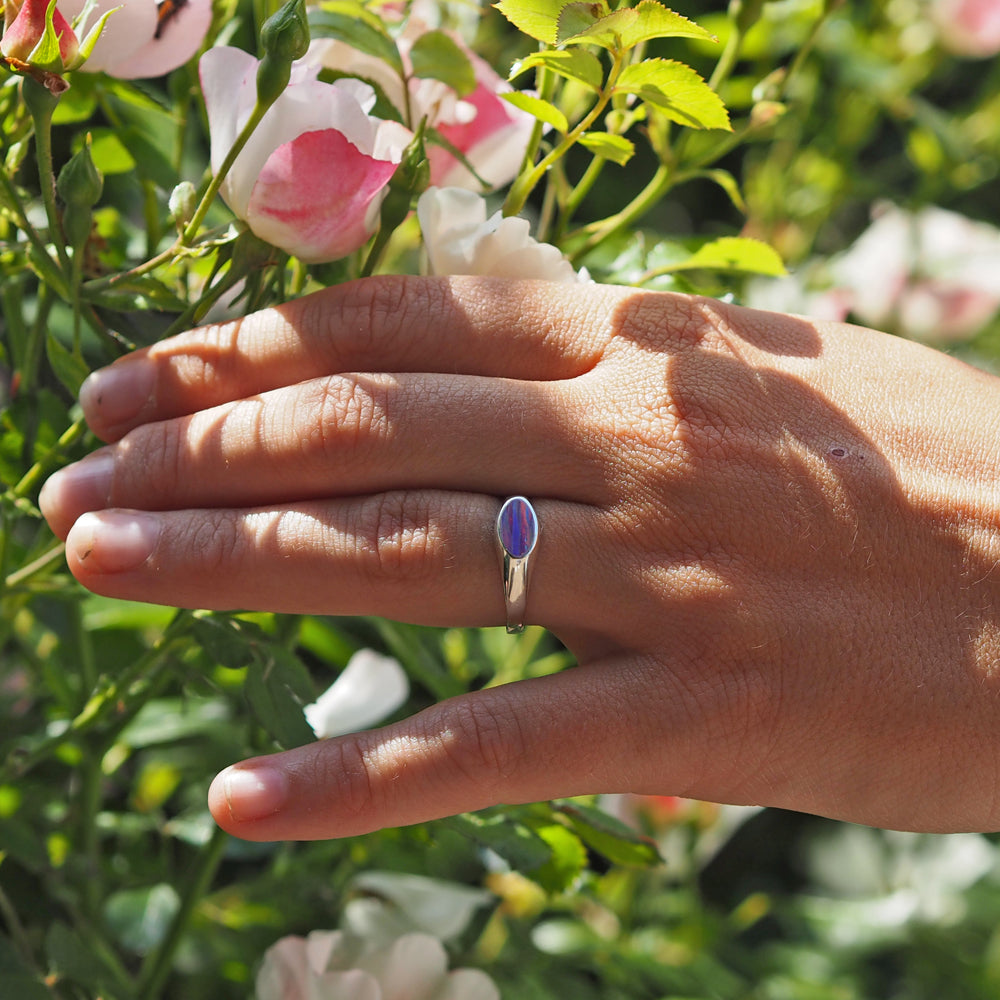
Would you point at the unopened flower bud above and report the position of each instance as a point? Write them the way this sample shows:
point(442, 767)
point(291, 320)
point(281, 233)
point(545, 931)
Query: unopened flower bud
point(183, 202)
point(284, 38)
point(40, 36)
point(80, 182)
point(408, 182)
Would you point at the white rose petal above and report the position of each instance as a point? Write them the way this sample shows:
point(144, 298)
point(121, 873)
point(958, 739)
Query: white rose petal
point(370, 688)
point(461, 240)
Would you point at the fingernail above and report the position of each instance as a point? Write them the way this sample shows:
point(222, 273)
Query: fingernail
point(119, 392)
point(114, 541)
point(253, 792)
point(85, 485)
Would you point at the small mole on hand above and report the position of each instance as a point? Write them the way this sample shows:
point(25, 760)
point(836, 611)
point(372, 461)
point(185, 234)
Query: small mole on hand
point(838, 452)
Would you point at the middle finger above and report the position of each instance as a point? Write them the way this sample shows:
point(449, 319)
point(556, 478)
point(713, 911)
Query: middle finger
point(343, 435)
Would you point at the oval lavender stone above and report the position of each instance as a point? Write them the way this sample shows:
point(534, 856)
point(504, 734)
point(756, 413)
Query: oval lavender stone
point(517, 527)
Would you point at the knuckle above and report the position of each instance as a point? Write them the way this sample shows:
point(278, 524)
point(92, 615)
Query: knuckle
point(217, 544)
point(344, 413)
point(377, 315)
point(347, 774)
point(395, 537)
point(485, 741)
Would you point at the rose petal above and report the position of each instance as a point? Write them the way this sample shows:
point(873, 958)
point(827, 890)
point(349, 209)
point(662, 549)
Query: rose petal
point(468, 984)
point(461, 240)
point(413, 967)
point(179, 39)
point(228, 82)
point(370, 688)
point(125, 32)
point(432, 905)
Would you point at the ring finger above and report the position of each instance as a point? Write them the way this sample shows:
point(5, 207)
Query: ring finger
point(427, 557)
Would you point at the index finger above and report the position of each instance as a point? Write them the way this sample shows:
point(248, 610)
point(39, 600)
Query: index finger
point(463, 325)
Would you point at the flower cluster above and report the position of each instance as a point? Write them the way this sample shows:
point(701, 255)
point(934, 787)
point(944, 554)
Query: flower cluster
point(281, 184)
point(929, 275)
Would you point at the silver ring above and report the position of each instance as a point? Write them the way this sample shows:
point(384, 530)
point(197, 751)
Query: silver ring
point(517, 534)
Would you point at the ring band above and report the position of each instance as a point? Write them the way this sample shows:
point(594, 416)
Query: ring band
point(517, 533)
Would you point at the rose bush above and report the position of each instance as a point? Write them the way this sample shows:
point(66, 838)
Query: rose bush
point(115, 882)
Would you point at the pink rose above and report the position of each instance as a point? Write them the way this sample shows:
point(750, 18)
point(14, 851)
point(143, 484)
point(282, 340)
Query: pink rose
point(142, 38)
point(313, 175)
point(488, 131)
point(968, 27)
point(929, 275)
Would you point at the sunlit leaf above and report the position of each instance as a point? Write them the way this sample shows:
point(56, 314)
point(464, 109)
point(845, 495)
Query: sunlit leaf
point(624, 29)
point(575, 18)
point(573, 64)
point(609, 836)
point(542, 110)
point(569, 858)
point(676, 91)
point(735, 253)
point(610, 147)
point(537, 18)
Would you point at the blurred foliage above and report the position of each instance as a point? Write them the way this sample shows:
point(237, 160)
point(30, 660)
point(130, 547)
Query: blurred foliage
point(114, 881)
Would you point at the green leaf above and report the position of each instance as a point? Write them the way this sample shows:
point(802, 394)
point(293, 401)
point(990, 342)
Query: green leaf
point(542, 110)
point(143, 293)
point(624, 29)
point(578, 17)
point(676, 91)
point(169, 720)
point(277, 687)
point(729, 184)
point(610, 837)
point(351, 23)
point(568, 859)
point(68, 366)
point(520, 847)
point(573, 64)
point(140, 918)
point(609, 147)
point(228, 641)
point(537, 18)
point(735, 253)
point(437, 56)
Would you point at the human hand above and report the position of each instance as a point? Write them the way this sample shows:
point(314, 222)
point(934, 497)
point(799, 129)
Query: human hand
point(770, 543)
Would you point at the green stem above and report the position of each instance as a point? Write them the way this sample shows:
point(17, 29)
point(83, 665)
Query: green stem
point(21, 576)
point(191, 230)
point(597, 232)
point(41, 104)
point(10, 193)
point(157, 968)
point(32, 479)
point(582, 189)
point(526, 182)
